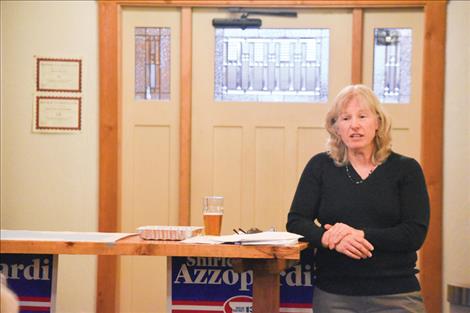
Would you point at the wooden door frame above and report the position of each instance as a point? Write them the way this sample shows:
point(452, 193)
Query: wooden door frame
point(110, 100)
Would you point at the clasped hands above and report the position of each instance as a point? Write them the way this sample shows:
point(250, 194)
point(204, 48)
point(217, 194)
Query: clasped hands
point(347, 240)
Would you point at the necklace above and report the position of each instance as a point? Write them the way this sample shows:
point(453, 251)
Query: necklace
point(360, 181)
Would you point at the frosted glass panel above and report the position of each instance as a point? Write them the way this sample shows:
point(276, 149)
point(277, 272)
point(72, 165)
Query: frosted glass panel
point(152, 63)
point(271, 65)
point(392, 64)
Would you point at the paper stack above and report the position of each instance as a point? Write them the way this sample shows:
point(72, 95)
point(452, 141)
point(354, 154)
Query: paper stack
point(263, 238)
point(33, 235)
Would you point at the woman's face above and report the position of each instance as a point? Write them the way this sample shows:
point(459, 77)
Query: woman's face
point(357, 125)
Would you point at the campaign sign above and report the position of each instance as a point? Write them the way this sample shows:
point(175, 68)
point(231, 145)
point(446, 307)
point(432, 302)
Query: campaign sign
point(33, 278)
point(200, 284)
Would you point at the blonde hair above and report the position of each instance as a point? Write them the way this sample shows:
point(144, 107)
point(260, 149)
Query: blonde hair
point(382, 140)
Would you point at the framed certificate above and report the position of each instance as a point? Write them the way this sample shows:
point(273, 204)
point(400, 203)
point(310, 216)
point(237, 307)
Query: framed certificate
point(60, 75)
point(58, 114)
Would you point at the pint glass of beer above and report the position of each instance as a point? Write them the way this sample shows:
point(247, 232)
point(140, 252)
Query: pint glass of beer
point(213, 210)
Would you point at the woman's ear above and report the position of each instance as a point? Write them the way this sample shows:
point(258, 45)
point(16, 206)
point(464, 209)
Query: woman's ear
point(335, 129)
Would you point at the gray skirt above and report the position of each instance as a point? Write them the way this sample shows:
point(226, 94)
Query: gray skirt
point(325, 302)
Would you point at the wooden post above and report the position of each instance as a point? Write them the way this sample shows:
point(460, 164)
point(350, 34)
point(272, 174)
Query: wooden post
point(431, 151)
point(357, 38)
point(107, 276)
point(185, 117)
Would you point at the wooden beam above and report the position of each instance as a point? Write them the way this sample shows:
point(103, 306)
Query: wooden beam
point(107, 276)
point(185, 117)
point(357, 39)
point(431, 151)
point(278, 3)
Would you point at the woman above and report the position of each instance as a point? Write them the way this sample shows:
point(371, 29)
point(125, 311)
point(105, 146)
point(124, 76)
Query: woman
point(371, 211)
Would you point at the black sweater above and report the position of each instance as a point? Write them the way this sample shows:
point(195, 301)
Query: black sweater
point(391, 206)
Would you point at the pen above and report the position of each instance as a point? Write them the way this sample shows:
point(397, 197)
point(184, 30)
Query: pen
point(241, 230)
point(235, 231)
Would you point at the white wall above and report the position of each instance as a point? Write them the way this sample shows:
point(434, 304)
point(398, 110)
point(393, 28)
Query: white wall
point(50, 181)
point(457, 147)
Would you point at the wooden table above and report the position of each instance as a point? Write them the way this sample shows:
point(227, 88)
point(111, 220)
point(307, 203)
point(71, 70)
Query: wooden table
point(266, 261)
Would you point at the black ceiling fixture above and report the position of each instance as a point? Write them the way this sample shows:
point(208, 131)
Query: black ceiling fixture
point(244, 22)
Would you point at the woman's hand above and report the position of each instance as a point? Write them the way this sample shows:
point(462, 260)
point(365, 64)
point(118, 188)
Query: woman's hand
point(347, 240)
point(335, 233)
point(355, 246)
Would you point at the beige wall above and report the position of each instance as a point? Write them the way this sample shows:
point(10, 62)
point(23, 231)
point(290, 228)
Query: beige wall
point(50, 182)
point(457, 147)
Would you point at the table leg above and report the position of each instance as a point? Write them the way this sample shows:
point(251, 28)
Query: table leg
point(266, 285)
point(266, 290)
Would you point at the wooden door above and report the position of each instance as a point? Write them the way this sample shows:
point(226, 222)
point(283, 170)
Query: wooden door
point(149, 165)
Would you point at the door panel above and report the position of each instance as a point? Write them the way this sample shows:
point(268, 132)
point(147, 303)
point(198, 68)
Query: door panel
point(310, 140)
point(269, 176)
point(252, 153)
point(149, 188)
point(228, 147)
